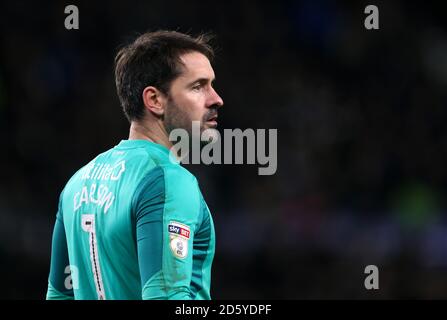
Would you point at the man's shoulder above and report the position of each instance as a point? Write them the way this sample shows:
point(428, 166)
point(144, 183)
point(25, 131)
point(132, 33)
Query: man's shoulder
point(171, 182)
point(177, 176)
point(113, 162)
point(90, 169)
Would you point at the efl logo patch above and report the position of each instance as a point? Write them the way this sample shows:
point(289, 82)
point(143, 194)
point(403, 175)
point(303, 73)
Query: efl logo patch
point(178, 238)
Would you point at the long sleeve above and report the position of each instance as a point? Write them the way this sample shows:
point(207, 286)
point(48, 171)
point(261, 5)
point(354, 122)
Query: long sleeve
point(167, 213)
point(58, 286)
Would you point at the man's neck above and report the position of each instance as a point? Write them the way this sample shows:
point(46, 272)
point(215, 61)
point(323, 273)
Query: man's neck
point(154, 133)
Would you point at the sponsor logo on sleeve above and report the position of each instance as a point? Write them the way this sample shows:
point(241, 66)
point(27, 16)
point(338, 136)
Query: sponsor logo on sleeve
point(178, 239)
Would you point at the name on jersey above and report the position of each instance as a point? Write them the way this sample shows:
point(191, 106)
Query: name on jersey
point(100, 196)
point(104, 171)
point(176, 228)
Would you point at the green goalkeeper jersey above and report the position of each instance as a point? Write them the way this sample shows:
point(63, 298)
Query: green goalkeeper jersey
point(132, 224)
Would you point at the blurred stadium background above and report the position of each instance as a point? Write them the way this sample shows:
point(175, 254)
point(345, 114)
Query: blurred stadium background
point(362, 144)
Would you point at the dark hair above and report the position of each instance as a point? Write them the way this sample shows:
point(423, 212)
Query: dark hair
point(153, 59)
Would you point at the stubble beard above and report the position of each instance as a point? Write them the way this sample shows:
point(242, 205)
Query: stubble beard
point(177, 118)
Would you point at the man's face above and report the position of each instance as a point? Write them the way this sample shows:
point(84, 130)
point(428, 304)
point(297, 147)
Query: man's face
point(192, 96)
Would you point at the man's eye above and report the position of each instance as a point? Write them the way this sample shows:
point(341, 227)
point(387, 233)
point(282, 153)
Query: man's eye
point(197, 87)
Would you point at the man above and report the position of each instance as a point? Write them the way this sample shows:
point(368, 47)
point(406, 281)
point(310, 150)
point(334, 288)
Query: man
point(132, 223)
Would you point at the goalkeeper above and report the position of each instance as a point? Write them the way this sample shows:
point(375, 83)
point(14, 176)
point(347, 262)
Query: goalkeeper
point(132, 224)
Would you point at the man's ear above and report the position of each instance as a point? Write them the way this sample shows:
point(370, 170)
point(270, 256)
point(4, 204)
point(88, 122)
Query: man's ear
point(154, 100)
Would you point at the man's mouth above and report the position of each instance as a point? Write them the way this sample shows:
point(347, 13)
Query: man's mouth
point(212, 120)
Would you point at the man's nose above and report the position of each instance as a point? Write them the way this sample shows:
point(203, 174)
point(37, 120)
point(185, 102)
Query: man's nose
point(215, 99)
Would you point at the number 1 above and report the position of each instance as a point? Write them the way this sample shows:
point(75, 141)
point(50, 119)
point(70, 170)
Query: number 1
point(88, 225)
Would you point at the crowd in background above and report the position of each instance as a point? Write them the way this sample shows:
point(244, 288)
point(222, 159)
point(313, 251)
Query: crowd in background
point(360, 114)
